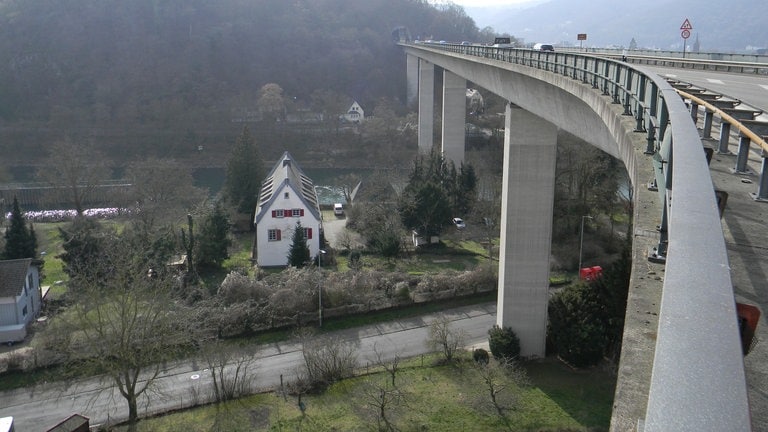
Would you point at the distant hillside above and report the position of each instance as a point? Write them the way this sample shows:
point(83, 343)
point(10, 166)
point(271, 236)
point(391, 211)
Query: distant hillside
point(720, 26)
point(169, 72)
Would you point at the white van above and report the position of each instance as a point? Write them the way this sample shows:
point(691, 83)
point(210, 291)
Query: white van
point(338, 209)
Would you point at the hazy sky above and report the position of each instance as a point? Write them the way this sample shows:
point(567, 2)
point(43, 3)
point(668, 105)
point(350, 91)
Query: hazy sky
point(477, 3)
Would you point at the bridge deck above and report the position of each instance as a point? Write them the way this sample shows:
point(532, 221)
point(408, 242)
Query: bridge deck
point(745, 229)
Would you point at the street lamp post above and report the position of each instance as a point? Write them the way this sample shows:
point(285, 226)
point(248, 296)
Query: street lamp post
point(581, 240)
point(320, 254)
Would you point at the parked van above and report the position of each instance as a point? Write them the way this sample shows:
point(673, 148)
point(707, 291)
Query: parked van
point(338, 209)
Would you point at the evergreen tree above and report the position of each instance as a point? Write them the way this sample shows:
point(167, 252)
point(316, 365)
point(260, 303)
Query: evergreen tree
point(20, 241)
point(298, 255)
point(213, 240)
point(244, 174)
point(466, 190)
point(435, 193)
point(82, 244)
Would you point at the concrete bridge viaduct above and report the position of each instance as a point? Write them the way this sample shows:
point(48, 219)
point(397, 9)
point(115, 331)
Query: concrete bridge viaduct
point(671, 375)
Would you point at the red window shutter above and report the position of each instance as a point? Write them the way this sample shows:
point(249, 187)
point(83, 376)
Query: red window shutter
point(274, 213)
point(301, 212)
point(278, 234)
point(309, 233)
point(288, 212)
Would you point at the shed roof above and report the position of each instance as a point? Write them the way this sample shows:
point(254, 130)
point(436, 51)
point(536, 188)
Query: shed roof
point(12, 276)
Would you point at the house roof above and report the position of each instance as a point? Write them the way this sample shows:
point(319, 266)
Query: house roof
point(12, 276)
point(287, 173)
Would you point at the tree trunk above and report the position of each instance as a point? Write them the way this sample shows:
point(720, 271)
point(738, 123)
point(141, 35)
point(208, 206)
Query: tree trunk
point(133, 413)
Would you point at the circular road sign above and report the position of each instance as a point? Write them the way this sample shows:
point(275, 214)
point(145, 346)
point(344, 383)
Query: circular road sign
point(685, 34)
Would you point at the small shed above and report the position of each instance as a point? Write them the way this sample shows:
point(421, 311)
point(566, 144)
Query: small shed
point(73, 423)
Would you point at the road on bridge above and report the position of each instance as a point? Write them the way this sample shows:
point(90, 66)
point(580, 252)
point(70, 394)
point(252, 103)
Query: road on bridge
point(750, 89)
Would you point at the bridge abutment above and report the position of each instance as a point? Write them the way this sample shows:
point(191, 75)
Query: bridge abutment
point(528, 191)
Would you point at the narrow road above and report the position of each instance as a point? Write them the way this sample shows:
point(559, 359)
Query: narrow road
point(187, 383)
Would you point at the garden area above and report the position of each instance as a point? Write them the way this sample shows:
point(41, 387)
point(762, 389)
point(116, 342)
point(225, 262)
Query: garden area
point(541, 395)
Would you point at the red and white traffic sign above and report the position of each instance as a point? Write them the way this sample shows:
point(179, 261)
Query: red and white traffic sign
point(686, 26)
point(685, 34)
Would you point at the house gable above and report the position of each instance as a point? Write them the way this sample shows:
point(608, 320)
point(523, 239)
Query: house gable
point(287, 196)
point(354, 114)
point(286, 173)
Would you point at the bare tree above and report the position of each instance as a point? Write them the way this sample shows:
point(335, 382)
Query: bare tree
point(229, 368)
point(271, 102)
point(445, 339)
point(501, 381)
point(162, 189)
point(392, 365)
point(326, 358)
point(75, 170)
point(382, 400)
point(123, 324)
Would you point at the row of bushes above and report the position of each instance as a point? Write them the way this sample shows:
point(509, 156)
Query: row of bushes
point(291, 296)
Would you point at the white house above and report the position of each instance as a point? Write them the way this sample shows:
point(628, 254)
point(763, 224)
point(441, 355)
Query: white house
point(354, 114)
point(287, 196)
point(20, 297)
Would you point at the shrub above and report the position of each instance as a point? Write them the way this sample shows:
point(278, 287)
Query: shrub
point(577, 325)
point(402, 293)
point(504, 343)
point(480, 355)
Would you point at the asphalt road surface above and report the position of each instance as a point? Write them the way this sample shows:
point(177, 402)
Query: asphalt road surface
point(186, 383)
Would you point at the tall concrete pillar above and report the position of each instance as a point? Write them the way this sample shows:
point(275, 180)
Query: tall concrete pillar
point(412, 80)
point(426, 106)
point(454, 116)
point(528, 191)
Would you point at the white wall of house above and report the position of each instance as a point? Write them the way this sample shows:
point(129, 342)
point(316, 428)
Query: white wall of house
point(21, 309)
point(272, 250)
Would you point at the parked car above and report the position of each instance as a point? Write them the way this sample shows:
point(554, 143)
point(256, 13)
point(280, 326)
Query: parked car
point(338, 209)
point(459, 222)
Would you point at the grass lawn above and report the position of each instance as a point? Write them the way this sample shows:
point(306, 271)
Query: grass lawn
point(444, 398)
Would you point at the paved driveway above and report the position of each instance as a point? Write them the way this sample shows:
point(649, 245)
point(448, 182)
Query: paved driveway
point(333, 226)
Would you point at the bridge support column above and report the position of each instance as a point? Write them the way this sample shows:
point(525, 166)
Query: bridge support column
point(426, 106)
point(412, 80)
point(528, 191)
point(454, 117)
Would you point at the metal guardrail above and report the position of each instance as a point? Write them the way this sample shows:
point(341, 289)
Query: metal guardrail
point(698, 380)
point(746, 136)
point(706, 65)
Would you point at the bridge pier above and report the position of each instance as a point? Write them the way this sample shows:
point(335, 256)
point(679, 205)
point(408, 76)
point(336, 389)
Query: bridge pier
point(412, 80)
point(454, 117)
point(426, 106)
point(528, 191)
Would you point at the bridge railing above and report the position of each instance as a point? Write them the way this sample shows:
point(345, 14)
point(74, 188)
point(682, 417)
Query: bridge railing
point(698, 380)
